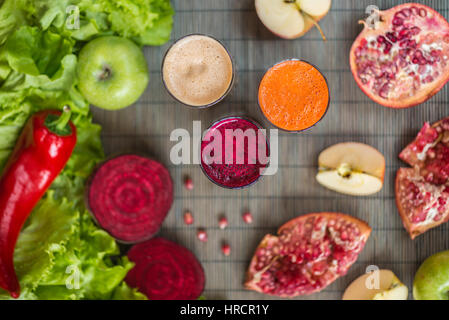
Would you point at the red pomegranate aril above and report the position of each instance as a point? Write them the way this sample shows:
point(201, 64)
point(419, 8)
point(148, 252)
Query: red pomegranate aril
point(391, 37)
point(422, 13)
point(406, 12)
point(363, 43)
point(226, 249)
point(188, 184)
point(397, 21)
point(434, 53)
point(201, 235)
point(428, 79)
point(411, 44)
point(247, 218)
point(381, 39)
point(423, 61)
point(188, 218)
point(403, 34)
point(223, 223)
point(415, 31)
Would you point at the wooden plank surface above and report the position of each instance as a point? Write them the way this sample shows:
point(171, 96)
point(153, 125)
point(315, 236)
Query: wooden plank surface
point(146, 127)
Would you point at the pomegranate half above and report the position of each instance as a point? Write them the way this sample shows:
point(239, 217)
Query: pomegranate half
point(309, 253)
point(400, 59)
point(422, 192)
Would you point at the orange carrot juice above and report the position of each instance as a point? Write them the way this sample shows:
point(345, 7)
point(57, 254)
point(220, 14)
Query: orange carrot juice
point(293, 95)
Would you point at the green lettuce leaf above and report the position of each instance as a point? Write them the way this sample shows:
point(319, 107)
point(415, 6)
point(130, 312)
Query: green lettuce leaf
point(60, 253)
point(147, 22)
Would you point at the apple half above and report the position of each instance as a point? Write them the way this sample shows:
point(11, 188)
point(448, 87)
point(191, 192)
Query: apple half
point(378, 285)
point(351, 168)
point(291, 19)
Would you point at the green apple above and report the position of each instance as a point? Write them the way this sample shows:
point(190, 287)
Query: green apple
point(112, 72)
point(432, 278)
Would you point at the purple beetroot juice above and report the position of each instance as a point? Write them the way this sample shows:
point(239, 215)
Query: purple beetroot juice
point(234, 152)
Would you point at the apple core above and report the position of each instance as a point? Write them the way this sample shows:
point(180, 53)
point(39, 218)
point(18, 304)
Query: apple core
point(293, 95)
point(198, 71)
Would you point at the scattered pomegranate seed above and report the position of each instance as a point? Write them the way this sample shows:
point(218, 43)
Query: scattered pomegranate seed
point(226, 249)
point(202, 235)
point(223, 223)
point(188, 184)
point(247, 217)
point(188, 218)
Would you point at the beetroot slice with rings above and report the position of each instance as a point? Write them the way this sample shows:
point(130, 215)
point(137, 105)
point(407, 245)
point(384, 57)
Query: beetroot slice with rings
point(129, 196)
point(165, 270)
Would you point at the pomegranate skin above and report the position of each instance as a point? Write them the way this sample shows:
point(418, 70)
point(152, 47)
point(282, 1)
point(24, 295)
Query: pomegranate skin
point(309, 253)
point(427, 90)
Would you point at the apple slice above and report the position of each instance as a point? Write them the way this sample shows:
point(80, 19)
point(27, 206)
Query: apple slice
point(290, 19)
point(315, 8)
point(377, 285)
point(351, 168)
point(357, 184)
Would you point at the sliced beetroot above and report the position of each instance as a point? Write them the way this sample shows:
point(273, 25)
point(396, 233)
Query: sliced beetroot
point(165, 270)
point(129, 196)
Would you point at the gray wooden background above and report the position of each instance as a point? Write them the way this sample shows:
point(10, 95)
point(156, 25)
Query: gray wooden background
point(146, 126)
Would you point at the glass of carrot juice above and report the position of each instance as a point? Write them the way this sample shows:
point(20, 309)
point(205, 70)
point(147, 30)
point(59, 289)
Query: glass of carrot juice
point(294, 95)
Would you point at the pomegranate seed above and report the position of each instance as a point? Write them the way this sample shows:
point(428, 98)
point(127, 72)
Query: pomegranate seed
point(188, 184)
point(363, 43)
point(435, 53)
point(223, 223)
point(397, 21)
point(428, 79)
point(247, 218)
point(406, 12)
point(403, 53)
point(188, 218)
point(404, 32)
point(381, 39)
point(391, 37)
point(415, 60)
point(415, 30)
point(411, 44)
point(422, 61)
point(422, 13)
point(201, 235)
point(400, 14)
point(384, 91)
point(226, 249)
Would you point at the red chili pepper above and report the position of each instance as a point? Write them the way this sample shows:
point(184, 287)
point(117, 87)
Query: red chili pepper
point(42, 151)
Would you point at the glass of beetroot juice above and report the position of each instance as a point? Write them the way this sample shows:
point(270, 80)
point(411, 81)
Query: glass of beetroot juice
point(294, 95)
point(234, 152)
point(198, 71)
